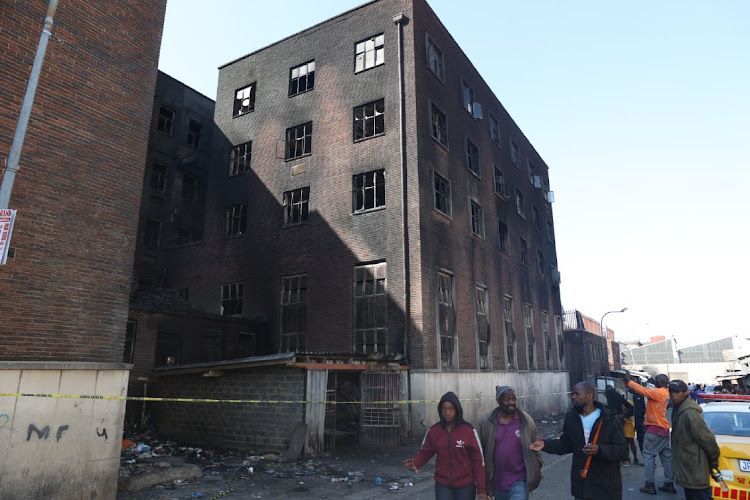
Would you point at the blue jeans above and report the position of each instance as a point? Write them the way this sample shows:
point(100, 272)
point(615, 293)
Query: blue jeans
point(443, 492)
point(653, 446)
point(518, 491)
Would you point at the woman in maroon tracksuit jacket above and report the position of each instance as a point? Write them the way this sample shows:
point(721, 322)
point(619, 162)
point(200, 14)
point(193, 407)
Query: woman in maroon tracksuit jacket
point(459, 468)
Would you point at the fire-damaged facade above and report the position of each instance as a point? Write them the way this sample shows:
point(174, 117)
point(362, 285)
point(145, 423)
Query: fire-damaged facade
point(369, 196)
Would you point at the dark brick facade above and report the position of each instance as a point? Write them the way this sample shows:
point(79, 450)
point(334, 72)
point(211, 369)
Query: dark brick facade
point(336, 238)
point(237, 426)
point(65, 291)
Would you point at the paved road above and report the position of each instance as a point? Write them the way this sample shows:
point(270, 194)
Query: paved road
point(555, 484)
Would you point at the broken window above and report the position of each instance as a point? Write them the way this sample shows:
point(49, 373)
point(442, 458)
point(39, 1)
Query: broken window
point(539, 262)
point(298, 141)
point(477, 219)
point(472, 158)
point(235, 220)
point(190, 188)
point(211, 345)
point(368, 190)
point(514, 152)
point(166, 121)
point(547, 341)
point(537, 220)
point(370, 308)
point(494, 130)
point(435, 59)
point(194, 134)
point(500, 188)
point(184, 235)
point(301, 78)
point(446, 320)
point(519, 203)
point(369, 53)
point(244, 100)
point(524, 252)
point(231, 299)
point(369, 120)
point(528, 321)
point(469, 98)
point(510, 332)
point(550, 232)
point(168, 348)
point(158, 177)
point(295, 205)
point(483, 327)
point(293, 313)
point(239, 158)
point(502, 236)
point(129, 352)
point(152, 234)
point(439, 125)
point(442, 194)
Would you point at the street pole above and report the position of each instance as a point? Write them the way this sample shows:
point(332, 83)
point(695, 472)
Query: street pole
point(9, 176)
point(604, 341)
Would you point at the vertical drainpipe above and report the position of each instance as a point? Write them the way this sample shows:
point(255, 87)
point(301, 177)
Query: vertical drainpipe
point(400, 19)
point(9, 176)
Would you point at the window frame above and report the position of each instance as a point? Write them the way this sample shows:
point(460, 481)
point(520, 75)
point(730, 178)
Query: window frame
point(520, 208)
point(167, 121)
point(308, 87)
point(498, 139)
point(511, 362)
point(469, 159)
point(236, 212)
point(194, 134)
point(431, 110)
point(503, 238)
point(306, 139)
point(377, 272)
point(484, 363)
point(449, 201)
point(298, 334)
point(377, 117)
point(151, 239)
point(378, 178)
point(452, 363)
point(430, 44)
point(372, 38)
point(528, 328)
point(240, 164)
point(476, 220)
point(503, 193)
point(159, 171)
point(523, 253)
point(237, 110)
point(468, 106)
point(239, 296)
point(288, 204)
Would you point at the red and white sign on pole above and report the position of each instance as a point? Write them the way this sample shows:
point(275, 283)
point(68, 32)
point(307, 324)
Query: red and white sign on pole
point(7, 218)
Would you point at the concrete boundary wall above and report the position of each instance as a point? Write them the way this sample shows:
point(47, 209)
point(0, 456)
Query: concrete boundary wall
point(60, 448)
point(541, 393)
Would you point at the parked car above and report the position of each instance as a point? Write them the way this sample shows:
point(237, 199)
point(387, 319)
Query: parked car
point(730, 422)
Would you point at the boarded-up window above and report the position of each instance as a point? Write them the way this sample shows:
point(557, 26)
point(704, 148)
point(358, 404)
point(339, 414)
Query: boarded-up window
point(370, 308)
point(510, 332)
point(483, 328)
point(446, 320)
point(293, 313)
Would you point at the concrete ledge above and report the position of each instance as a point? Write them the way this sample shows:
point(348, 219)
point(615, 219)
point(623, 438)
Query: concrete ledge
point(62, 365)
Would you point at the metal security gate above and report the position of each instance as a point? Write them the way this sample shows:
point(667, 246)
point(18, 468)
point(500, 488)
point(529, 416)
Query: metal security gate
point(381, 414)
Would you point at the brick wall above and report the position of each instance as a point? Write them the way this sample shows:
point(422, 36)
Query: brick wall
point(256, 427)
point(65, 292)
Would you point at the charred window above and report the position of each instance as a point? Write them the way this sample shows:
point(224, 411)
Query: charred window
point(293, 313)
point(244, 100)
point(165, 124)
point(301, 78)
point(369, 120)
point(370, 308)
point(235, 220)
point(231, 299)
point(368, 190)
point(239, 158)
point(296, 206)
point(369, 53)
point(298, 141)
point(446, 320)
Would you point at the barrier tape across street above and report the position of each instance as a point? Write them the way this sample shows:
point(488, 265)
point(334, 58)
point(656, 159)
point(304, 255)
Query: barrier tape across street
point(238, 401)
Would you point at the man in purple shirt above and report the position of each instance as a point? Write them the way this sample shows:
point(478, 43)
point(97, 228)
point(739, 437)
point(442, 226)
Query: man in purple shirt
point(512, 469)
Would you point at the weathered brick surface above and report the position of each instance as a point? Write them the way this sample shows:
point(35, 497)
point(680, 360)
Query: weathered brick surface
point(335, 240)
point(249, 426)
point(64, 295)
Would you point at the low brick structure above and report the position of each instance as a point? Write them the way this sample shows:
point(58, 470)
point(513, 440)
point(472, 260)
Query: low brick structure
point(246, 426)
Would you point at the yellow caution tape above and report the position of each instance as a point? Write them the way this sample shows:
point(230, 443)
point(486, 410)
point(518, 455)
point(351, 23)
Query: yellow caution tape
point(240, 401)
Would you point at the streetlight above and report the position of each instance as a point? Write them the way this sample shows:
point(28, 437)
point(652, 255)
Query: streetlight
point(604, 341)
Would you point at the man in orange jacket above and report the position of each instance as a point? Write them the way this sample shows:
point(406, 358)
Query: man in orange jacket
point(656, 440)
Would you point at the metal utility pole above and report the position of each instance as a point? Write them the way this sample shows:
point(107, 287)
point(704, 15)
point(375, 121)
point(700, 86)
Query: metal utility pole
point(604, 341)
point(28, 100)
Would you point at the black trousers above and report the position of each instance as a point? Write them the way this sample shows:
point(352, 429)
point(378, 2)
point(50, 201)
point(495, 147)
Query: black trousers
point(704, 494)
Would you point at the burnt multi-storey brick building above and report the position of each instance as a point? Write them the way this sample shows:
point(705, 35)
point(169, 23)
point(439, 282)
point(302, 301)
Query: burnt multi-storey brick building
point(64, 291)
point(376, 197)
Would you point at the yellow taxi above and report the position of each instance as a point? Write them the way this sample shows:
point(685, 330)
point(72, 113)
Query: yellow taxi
point(730, 423)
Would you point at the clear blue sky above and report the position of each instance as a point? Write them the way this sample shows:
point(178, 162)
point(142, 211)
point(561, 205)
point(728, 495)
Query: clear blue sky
point(639, 108)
